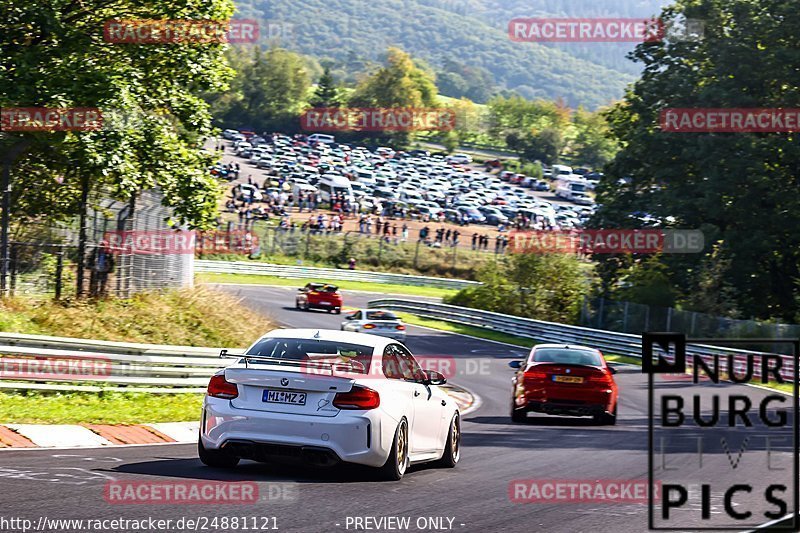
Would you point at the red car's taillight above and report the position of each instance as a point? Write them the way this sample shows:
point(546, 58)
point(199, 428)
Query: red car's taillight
point(603, 379)
point(535, 376)
point(218, 387)
point(358, 398)
point(368, 326)
point(401, 327)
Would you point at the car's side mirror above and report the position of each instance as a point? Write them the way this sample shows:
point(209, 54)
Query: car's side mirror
point(349, 317)
point(300, 289)
point(434, 378)
point(612, 370)
point(515, 364)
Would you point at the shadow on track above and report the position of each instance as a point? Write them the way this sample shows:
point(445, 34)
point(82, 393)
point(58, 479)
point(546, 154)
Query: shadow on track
point(254, 471)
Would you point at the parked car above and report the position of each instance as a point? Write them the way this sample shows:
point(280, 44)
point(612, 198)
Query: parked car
point(245, 191)
point(319, 296)
point(557, 379)
point(375, 322)
point(328, 397)
point(459, 159)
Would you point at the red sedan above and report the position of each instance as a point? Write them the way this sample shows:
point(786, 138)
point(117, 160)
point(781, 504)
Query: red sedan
point(319, 296)
point(564, 380)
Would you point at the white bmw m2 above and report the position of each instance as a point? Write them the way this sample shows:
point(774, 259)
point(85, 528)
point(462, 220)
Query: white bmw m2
point(325, 397)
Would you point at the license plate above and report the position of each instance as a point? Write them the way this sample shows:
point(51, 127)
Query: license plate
point(324, 303)
point(567, 379)
point(386, 326)
point(282, 396)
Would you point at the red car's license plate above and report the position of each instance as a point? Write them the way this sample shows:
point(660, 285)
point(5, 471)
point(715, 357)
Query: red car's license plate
point(568, 379)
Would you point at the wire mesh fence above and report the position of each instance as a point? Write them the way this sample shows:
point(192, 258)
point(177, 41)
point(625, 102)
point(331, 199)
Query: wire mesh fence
point(629, 317)
point(129, 248)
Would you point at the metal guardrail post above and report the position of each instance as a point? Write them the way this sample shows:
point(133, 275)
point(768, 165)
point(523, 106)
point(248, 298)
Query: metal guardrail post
point(59, 272)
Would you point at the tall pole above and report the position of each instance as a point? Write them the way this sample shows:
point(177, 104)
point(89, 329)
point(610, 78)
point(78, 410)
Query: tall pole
point(5, 258)
point(4, 222)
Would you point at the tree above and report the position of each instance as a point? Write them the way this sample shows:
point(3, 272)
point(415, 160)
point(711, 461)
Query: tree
point(400, 83)
point(593, 144)
point(268, 93)
point(741, 189)
point(327, 93)
point(54, 56)
point(545, 287)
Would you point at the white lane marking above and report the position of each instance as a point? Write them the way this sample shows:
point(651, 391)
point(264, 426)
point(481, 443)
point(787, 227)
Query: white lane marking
point(85, 458)
point(62, 475)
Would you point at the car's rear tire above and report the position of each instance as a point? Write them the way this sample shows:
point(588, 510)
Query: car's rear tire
point(296, 304)
point(518, 415)
point(397, 463)
point(338, 311)
point(305, 306)
point(607, 419)
point(215, 458)
point(452, 450)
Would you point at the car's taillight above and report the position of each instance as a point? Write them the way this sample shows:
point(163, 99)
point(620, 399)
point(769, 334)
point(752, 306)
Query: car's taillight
point(368, 326)
point(401, 327)
point(602, 379)
point(535, 375)
point(358, 398)
point(218, 387)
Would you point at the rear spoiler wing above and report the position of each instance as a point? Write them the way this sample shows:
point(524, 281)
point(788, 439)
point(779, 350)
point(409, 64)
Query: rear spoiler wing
point(249, 359)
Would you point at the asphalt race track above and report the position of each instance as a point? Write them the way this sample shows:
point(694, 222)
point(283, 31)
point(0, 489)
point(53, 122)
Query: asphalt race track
point(475, 495)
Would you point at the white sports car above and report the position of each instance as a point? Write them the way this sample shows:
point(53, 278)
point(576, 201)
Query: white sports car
point(326, 397)
point(375, 322)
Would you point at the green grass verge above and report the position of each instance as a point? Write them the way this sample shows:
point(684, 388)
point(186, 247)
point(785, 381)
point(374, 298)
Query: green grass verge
point(34, 407)
point(190, 317)
point(474, 331)
point(384, 288)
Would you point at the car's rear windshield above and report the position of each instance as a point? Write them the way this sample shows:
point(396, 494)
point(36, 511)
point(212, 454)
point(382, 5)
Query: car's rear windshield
point(356, 356)
point(381, 315)
point(567, 356)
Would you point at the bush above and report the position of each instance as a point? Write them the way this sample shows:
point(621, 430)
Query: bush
point(543, 287)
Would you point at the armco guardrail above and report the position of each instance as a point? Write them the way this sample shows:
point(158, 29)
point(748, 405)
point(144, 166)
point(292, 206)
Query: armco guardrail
point(324, 274)
point(550, 332)
point(61, 363)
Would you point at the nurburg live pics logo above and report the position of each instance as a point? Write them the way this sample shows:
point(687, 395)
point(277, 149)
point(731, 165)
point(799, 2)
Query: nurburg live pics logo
point(735, 500)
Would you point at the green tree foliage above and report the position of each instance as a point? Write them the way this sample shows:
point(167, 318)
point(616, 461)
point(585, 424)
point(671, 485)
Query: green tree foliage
point(471, 32)
point(593, 145)
point(544, 287)
point(55, 55)
point(269, 92)
point(741, 189)
point(326, 93)
point(400, 83)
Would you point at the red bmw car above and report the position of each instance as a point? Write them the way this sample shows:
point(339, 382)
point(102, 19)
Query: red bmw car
point(557, 379)
point(319, 296)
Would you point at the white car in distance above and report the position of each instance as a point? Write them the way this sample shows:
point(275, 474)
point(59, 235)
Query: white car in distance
point(375, 322)
point(327, 397)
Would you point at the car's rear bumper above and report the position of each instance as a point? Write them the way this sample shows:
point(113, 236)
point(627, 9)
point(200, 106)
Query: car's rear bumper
point(355, 436)
point(557, 401)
